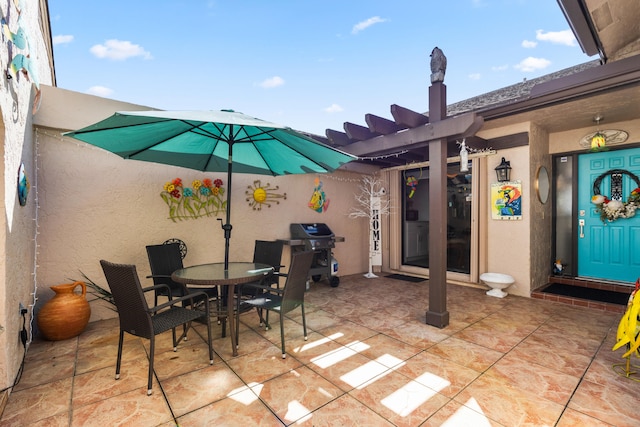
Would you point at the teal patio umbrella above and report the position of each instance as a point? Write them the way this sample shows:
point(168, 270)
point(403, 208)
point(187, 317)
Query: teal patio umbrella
point(212, 141)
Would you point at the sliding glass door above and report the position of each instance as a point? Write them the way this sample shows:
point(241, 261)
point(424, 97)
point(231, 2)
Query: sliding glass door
point(415, 218)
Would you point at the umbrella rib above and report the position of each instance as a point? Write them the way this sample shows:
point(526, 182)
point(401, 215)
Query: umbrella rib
point(218, 138)
point(155, 143)
point(302, 154)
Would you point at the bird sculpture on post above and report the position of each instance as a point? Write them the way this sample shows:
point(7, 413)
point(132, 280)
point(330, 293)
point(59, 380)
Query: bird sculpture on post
point(438, 65)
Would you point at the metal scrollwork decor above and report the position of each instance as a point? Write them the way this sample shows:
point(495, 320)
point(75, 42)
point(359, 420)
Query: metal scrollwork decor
point(613, 208)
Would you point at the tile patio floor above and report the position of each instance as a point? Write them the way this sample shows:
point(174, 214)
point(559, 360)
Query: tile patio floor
point(370, 360)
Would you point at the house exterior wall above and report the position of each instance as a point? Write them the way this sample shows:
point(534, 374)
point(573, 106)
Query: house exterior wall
point(541, 220)
point(508, 241)
point(96, 205)
point(18, 237)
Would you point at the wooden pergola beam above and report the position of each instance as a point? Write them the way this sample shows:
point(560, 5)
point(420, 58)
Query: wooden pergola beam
point(381, 125)
point(337, 138)
point(408, 118)
point(417, 137)
point(357, 132)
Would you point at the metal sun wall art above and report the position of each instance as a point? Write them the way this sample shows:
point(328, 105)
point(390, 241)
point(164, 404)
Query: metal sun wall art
point(263, 195)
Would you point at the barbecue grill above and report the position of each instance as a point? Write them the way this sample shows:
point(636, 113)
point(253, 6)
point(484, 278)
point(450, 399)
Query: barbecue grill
point(319, 238)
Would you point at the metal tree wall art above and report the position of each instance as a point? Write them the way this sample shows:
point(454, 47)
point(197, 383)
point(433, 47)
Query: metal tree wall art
point(373, 204)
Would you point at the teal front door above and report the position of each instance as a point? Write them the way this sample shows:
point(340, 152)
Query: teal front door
point(608, 250)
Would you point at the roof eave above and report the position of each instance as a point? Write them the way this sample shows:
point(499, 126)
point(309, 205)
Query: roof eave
point(601, 79)
point(577, 15)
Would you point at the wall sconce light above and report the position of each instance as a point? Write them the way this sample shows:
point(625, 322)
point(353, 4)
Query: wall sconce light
point(503, 171)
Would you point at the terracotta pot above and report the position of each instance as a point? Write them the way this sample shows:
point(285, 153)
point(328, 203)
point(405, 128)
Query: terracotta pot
point(66, 314)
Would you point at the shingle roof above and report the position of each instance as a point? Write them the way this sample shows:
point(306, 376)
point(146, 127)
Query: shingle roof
point(512, 93)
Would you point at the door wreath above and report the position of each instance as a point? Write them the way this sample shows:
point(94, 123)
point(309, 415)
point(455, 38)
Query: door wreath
point(612, 209)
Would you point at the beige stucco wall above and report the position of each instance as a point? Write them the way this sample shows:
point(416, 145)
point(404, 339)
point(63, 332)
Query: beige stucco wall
point(541, 213)
point(507, 246)
point(96, 205)
point(18, 235)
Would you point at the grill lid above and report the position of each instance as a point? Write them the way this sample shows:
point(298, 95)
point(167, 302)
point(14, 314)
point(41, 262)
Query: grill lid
point(311, 231)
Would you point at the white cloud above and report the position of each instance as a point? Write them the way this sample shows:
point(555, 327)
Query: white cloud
point(99, 91)
point(474, 76)
point(499, 67)
point(360, 26)
point(529, 44)
point(272, 82)
point(119, 50)
point(530, 64)
point(333, 108)
point(565, 37)
point(62, 39)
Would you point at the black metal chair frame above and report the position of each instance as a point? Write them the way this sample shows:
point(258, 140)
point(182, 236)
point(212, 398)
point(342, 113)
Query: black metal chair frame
point(138, 319)
point(289, 297)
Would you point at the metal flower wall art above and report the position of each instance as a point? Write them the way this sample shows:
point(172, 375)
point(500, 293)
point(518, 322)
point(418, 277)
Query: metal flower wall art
point(203, 198)
point(259, 195)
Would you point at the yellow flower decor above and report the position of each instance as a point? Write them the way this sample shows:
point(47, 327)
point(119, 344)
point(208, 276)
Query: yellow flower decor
point(203, 198)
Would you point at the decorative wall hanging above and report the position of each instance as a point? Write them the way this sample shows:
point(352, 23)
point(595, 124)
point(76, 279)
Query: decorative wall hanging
point(22, 62)
point(318, 202)
point(263, 195)
point(204, 199)
point(23, 186)
point(506, 200)
point(464, 157)
point(412, 183)
point(466, 151)
point(614, 207)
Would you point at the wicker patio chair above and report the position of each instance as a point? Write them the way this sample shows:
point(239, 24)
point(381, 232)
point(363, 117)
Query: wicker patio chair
point(269, 253)
point(164, 260)
point(289, 297)
point(138, 319)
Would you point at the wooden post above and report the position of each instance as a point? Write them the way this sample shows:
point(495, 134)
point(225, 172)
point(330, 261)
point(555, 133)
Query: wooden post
point(437, 314)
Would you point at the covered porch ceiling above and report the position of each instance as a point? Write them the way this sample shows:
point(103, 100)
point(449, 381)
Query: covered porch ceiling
point(569, 99)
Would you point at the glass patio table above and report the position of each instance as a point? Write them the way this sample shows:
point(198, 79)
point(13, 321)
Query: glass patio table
point(214, 275)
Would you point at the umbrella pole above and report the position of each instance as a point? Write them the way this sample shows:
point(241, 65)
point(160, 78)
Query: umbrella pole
point(227, 227)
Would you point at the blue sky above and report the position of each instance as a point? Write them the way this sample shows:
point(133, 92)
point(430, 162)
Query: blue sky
point(307, 64)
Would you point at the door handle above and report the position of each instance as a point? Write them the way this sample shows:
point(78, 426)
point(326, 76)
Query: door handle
point(581, 224)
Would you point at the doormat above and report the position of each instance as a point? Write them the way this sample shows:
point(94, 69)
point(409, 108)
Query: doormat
point(587, 293)
point(406, 278)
